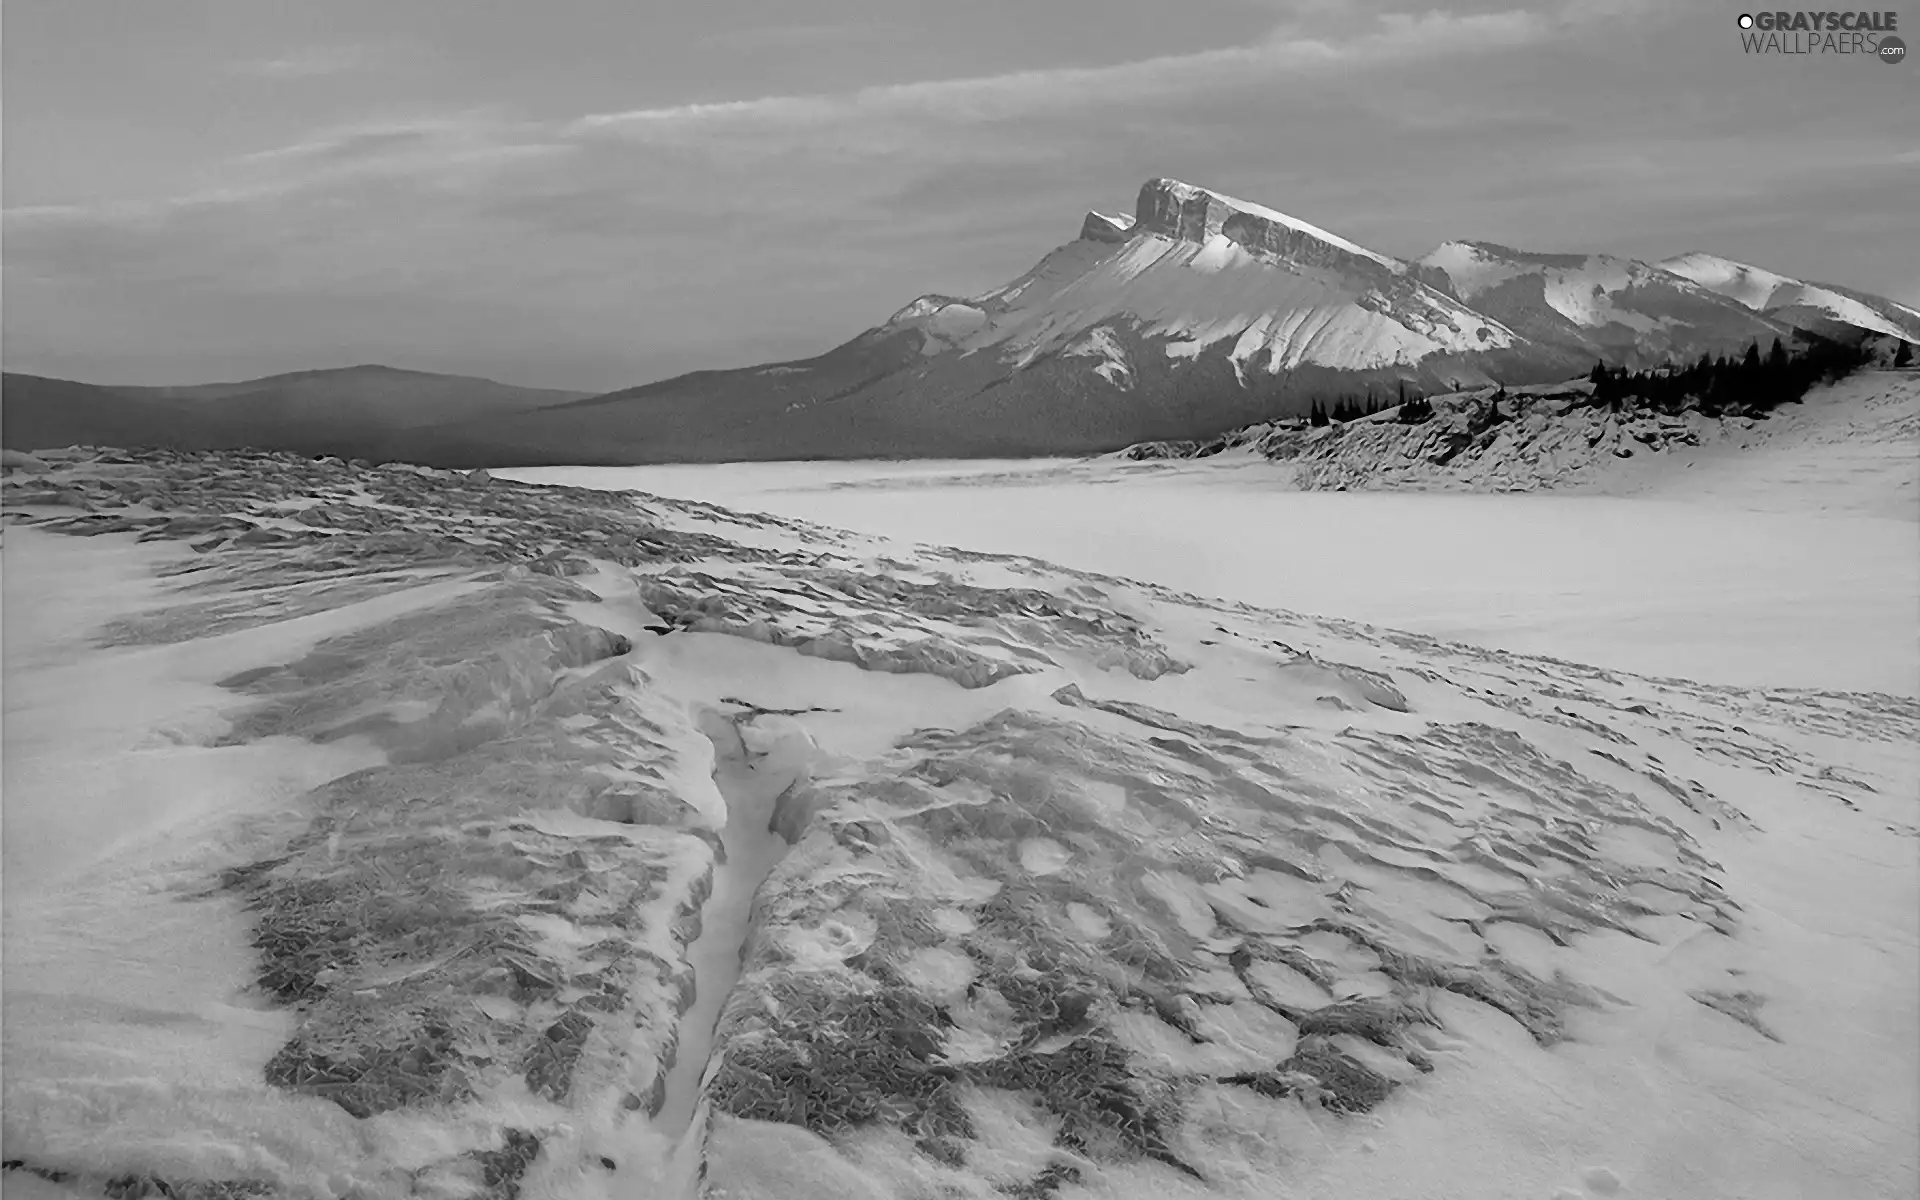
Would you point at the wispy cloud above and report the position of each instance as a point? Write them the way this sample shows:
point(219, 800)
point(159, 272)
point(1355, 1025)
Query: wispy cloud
point(312, 62)
point(1290, 48)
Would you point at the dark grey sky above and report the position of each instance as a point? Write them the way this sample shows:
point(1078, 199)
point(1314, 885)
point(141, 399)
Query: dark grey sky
point(596, 193)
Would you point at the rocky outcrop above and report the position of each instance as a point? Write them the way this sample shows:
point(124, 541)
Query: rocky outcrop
point(1489, 439)
point(1100, 227)
point(1194, 214)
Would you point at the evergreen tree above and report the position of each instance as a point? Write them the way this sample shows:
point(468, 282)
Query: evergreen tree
point(1318, 416)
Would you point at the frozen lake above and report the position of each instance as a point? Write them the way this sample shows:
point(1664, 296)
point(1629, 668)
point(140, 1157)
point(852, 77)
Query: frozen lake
point(1704, 587)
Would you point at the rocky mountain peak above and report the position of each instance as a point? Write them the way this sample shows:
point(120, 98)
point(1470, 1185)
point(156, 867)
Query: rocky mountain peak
point(1103, 227)
point(1185, 212)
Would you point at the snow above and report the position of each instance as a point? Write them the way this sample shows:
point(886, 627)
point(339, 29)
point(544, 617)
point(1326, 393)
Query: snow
point(1751, 286)
point(1771, 564)
point(1472, 269)
point(1099, 342)
point(1634, 844)
point(1187, 191)
point(1582, 294)
point(1198, 294)
point(1766, 291)
point(126, 1005)
point(1844, 308)
point(1697, 585)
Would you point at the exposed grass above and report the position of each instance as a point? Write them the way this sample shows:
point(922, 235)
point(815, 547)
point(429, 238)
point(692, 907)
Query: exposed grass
point(144, 1187)
point(1319, 1072)
point(835, 1061)
point(501, 1170)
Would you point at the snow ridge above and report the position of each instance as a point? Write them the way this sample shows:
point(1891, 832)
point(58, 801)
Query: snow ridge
point(1195, 269)
point(1768, 292)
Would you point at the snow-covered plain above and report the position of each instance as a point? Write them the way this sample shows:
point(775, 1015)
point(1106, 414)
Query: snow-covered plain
point(1080, 886)
point(1793, 561)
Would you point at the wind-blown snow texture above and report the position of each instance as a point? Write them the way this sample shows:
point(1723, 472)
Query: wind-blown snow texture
point(1081, 886)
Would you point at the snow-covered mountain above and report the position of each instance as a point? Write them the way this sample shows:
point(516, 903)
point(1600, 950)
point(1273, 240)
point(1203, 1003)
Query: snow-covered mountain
point(1196, 314)
point(1200, 273)
point(1795, 301)
point(1600, 306)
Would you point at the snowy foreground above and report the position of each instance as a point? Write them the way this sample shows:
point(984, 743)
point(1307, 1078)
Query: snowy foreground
point(381, 833)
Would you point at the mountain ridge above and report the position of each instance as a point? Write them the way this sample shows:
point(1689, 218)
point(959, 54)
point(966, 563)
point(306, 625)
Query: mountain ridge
point(363, 410)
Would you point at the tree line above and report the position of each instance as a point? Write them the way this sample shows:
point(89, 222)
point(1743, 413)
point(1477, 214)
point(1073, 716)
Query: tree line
point(1353, 407)
point(1751, 383)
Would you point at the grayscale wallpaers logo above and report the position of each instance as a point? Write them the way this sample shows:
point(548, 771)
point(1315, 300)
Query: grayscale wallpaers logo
point(1867, 34)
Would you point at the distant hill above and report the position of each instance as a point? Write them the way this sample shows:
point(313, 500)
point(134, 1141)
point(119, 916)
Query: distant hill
point(367, 396)
point(363, 411)
point(36, 412)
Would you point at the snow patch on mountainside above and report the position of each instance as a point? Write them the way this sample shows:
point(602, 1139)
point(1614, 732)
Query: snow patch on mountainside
point(1193, 269)
point(1768, 292)
point(1751, 286)
point(1197, 294)
point(1100, 343)
point(1579, 288)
